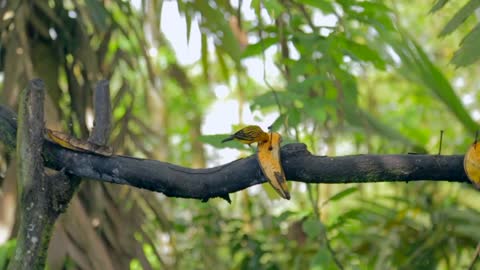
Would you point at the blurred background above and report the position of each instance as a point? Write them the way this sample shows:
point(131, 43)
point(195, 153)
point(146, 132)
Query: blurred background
point(344, 77)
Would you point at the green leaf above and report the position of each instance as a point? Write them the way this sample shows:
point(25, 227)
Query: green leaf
point(216, 141)
point(285, 215)
point(256, 6)
point(439, 84)
point(322, 260)
point(185, 10)
point(438, 5)
point(223, 66)
point(294, 117)
point(50, 13)
point(325, 6)
point(318, 108)
point(469, 51)
point(275, 126)
point(214, 20)
point(313, 227)
point(468, 231)
point(307, 84)
point(188, 22)
point(96, 10)
point(273, 7)
point(459, 17)
point(468, 216)
point(7, 251)
point(259, 47)
point(416, 66)
point(364, 53)
point(353, 214)
point(268, 99)
point(342, 194)
point(363, 119)
point(319, 114)
point(373, 13)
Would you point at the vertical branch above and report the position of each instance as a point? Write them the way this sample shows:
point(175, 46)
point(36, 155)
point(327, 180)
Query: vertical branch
point(44, 197)
point(103, 114)
point(37, 217)
point(67, 184)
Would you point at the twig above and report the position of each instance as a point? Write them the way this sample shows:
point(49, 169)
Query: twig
point(332, 252)
point(260, 36)
point(475, 258)
point(440, 146)
point(316, 212)
point(313, 202)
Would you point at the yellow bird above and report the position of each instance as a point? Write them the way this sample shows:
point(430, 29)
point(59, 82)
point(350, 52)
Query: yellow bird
point(249, 135)
point(471, 164)
point(269, 159)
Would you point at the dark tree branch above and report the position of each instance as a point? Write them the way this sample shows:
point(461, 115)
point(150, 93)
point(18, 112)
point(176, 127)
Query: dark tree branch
point(37, 216)
point(43, 197)
point(66, 183)
point(298, 163)
point(103, 114)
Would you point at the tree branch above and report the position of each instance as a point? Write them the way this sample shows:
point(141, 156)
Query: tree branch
point(103, 114)
point(66, 184)
point(37, 216)
point(44, 197)
point(298, 163)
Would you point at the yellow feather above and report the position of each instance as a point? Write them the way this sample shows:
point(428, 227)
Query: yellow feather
point(269, 159)
point(471, 164)
point(249, 135)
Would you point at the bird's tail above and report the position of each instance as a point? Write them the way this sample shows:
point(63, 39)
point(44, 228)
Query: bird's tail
point(228, 139)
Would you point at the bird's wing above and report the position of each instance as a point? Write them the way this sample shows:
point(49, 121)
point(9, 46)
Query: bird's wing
point(269, 159)
point(244, 135)
point(471, 164)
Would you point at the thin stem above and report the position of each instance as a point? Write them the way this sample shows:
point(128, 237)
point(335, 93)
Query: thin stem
point(475, 258)
point(313, 202)
point(440, 146)
point(332, 252)
point(265, 80)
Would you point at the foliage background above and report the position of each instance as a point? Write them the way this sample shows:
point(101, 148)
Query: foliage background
point(344, 77)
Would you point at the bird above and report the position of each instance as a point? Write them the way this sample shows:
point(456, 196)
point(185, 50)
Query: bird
point(471, 164)
point(248, 135)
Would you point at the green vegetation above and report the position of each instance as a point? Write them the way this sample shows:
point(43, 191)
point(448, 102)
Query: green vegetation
point(344, 77)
